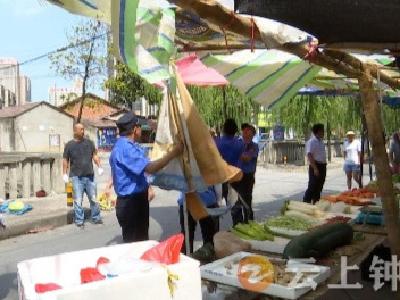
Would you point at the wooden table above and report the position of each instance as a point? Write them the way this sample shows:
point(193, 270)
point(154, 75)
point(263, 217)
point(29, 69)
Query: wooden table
point(364, 249)
point(373, 229)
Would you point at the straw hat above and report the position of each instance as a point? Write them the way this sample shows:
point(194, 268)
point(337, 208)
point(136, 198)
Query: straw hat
point(350, 133)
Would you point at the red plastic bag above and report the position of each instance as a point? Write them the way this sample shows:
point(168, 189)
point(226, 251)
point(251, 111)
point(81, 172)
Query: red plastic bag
point(166, 252)
point(102, 260)
point(41, 288)
point(90, 275)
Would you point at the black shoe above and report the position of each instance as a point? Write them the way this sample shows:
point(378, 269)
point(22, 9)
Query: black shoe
point(80, 225)
point(205, 254)
point(98, 222)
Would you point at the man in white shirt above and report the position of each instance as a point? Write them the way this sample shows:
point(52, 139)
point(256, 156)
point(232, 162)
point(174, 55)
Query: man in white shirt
point(352, 151)
point(315, 150)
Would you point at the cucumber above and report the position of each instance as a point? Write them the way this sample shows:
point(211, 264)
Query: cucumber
point(318, 242)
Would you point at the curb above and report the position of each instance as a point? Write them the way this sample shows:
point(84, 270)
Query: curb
point(52, 221)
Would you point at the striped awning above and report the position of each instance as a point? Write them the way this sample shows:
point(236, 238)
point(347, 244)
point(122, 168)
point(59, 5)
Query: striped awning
point(267, 76)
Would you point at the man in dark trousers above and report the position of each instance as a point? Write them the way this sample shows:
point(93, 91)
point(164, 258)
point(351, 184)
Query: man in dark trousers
point(315, 149)
point(248, 165)
point(78, 156)
point(129, 165)
point(231, 148)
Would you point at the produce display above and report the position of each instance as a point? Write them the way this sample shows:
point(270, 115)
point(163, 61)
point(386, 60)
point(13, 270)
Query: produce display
point(252, 231)
point(356, 197)
point(318, 242)
point(396, 178)
point(338, 219)
point(302, 210)
point(289, 222)
point(360, 193)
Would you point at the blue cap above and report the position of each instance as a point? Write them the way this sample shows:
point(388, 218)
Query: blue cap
point(126, 123)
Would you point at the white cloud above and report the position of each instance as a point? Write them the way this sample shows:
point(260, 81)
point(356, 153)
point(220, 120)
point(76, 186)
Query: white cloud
point(26, 8)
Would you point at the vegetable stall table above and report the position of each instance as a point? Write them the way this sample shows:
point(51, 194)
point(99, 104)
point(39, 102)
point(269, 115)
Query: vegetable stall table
point(356, 252)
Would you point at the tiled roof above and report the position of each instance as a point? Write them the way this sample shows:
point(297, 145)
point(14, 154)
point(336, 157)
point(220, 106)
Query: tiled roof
point(94, 108)
point(15, 111)
point(99, 123)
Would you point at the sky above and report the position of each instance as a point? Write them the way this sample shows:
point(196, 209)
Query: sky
point(30, 28)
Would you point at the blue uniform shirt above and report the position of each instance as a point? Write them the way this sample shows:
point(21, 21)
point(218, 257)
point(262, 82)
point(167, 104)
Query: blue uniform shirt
point(250, 149)
point(128, 162)
point(230, 148)
point(208, 197)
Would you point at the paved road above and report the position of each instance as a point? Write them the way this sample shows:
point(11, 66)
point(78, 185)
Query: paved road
point(273, 186)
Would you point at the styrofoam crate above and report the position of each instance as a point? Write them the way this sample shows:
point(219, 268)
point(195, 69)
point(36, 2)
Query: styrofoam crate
point(216, 272)
point(143, 283)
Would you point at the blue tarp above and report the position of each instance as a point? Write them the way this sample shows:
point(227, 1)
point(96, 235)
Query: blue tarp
point(4, 209)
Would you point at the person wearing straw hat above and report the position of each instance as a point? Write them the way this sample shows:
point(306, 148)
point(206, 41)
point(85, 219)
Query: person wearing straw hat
point(352, 152)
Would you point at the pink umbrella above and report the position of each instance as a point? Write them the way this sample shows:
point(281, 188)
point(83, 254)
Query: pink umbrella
point(194, 72)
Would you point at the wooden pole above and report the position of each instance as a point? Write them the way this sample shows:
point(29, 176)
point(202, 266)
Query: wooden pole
point(328, 138)
point(371, 108)
point(336, 60)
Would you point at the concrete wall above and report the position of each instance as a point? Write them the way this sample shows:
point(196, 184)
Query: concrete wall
point(33, 129)
point(91, 134)
point(7, 138)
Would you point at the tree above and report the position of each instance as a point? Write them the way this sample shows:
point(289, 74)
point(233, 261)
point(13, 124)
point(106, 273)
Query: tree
point(84, 57)
point(302, 111)
point(127, 87)
point(216, 104)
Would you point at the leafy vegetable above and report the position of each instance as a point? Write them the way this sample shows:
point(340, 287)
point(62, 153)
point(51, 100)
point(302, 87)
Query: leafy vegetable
point(289, 222)
point(252, 231)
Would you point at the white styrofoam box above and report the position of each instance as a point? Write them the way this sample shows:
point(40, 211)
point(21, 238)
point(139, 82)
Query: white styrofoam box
point(216, 272)
point(275, 246)
point(143, 283)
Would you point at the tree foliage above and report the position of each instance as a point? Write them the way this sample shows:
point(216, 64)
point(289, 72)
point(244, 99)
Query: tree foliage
point(127, 87)
point(215, 104)
point(85, 55)
point(343, 113)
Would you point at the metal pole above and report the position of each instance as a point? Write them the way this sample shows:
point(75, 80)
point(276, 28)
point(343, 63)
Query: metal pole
point(186, 227)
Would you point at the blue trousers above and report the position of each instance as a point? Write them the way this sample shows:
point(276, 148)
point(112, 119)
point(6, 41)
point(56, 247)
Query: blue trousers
point(81, 185)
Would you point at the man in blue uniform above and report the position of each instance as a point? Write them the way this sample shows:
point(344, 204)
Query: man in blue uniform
point(248, 165)
point(129, 165)
point(231, 147)
point(209, 226)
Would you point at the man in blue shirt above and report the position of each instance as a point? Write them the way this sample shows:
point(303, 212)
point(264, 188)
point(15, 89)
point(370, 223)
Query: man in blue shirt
point(209, 226)
point(128, 167)
point(248, 165)
point(229, 146)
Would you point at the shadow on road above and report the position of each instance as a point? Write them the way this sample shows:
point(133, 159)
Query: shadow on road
point(8, 282)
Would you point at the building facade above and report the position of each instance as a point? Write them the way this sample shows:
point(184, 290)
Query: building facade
point(25, 90)
point(34, 127)
point(58, 96)
point(7, 98)
point(144, 109)
point(17, 84)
